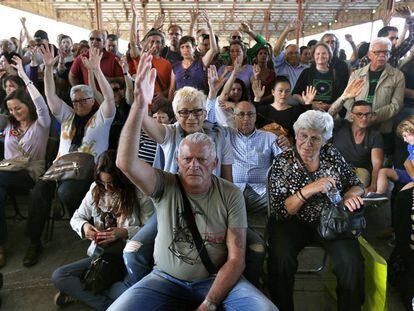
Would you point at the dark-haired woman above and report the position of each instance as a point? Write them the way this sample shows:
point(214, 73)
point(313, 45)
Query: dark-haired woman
point(26, 130)
point(264, 69)
point(238, 57)
point(117, 210)
point(191, 71)
point(9, 84)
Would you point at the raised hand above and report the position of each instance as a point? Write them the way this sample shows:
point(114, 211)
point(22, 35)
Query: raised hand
point(215, 82)
point(159, 21)
point(292, 26)
point(309, 95)
point(403, 11)
point(94, 61)
point(123, 63)
point(244, 27)
point(258, 89)
point(194, 14)
point(48, 55)
point(386, 17)
point(144, 82)
point(133, 7)
point(353, 89)
point(349, 38)
point(204, 16)
point(256, 70)
point(23, 20)
point(18, 66)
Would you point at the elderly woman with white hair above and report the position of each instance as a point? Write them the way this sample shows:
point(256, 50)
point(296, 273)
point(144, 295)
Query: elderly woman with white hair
point(299, 181)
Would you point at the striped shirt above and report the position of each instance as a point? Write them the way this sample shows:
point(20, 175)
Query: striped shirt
point(147, 148)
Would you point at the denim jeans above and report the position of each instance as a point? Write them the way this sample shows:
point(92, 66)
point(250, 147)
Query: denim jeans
point(160, 291)
point(67, 279)
point(11, 182)
point(138, 253)
point(287, 238)
point(70, 193)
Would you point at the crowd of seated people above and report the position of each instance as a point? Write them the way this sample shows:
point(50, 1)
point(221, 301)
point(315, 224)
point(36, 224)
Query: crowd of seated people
point(183, 132)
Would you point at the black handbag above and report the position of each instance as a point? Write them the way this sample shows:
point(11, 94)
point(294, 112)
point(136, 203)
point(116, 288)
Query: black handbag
point(336, 221)
point(73, 165)
point(103, 272)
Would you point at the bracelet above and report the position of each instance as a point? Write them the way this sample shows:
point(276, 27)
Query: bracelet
point(29, 83)
point(297, 195)
point(125, 73)
point(301, 194)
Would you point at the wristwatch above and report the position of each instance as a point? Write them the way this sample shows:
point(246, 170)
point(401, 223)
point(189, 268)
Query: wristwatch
point(210, 306)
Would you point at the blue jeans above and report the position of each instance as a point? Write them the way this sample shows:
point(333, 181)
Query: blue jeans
point(67, 279)
point(138, 253)
point(11, 182)
point(160, 291)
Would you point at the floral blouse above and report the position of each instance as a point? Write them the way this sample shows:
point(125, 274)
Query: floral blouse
point(288, 176)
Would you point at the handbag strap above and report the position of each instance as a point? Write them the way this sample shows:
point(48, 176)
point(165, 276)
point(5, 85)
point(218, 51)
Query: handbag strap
point(190, 220)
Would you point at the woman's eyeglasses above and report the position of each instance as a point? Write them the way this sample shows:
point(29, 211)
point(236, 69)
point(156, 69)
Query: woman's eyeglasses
point(185, 113)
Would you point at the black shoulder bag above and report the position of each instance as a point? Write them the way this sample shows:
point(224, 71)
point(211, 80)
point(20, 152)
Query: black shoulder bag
point(190, 220)
point(336, 221)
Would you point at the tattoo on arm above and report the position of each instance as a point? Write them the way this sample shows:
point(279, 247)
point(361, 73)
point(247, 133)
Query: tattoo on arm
point(239, 237)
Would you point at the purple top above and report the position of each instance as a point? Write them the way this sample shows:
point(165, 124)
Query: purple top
point(194, 76)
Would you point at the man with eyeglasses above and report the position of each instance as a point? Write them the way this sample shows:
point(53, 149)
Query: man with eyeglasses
point(291, 67)
point(391, 33)
point(172, 52)
point(383, 87)
point(110, 67)
point(181, 280)
point(361, 146)
point(237, 35)
point(84, 128)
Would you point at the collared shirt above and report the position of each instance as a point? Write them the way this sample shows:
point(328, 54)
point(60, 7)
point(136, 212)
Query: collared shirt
point(292, 73)
point(253, 155)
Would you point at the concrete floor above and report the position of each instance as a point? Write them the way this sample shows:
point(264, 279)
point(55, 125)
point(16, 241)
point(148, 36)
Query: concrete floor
point(31, 288)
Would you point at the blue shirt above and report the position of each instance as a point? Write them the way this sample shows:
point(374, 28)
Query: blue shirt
point(292, 73)
point(410, 149)
point(253, 155)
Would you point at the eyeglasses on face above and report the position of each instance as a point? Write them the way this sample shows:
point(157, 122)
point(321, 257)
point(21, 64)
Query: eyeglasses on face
point(106, 184)
point(243, 114)
point(185, 113)
point(314, 140)
point(98, 39)
point(82, 101)
point(383, 52)
point(236, 37)
point(361, 115)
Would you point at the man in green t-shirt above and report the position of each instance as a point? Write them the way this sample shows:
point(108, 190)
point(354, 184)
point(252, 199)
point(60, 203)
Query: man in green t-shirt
point(180, 279)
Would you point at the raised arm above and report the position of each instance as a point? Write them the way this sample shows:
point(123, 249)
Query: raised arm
point(134, 51)
point(352, 90)
point(229, 83)
point(208, 57)
point(281, 40)
point(94, 61)
point(354, 55)
point(129, 85)
point(91, 81)
point(230, 272)
point(194, 13)
point(138, 171)
point(49, 59)
point(34, 93)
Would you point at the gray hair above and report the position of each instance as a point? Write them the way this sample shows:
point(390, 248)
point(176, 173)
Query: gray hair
point(85, 89)
point(188, 94)
point(381, 40)
point(199, 138)
point(315, 120)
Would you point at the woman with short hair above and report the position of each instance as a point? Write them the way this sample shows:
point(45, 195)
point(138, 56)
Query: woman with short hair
point(300, 179)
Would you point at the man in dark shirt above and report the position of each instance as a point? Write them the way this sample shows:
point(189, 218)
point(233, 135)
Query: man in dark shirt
point(359, 145)
point(172, 52)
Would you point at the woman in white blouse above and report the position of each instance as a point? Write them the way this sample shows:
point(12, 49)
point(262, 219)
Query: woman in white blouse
point(113, 209)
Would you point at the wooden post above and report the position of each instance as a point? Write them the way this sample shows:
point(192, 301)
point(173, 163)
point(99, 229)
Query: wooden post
point(98, 14)
point(300, 18)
